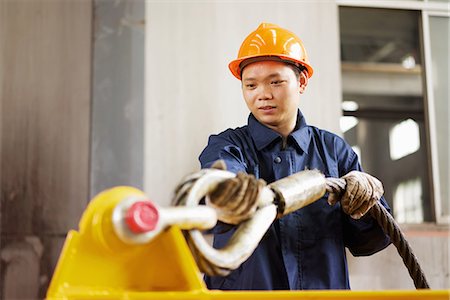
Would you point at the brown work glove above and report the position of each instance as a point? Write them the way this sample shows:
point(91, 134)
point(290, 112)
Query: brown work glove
point(235, 199)
point(362, 191)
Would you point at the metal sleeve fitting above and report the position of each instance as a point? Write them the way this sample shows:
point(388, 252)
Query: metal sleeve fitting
point(298, 190)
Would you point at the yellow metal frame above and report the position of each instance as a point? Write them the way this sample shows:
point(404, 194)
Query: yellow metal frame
point(95, 264)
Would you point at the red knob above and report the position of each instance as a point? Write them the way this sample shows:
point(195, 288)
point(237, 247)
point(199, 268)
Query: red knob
point(142, 216)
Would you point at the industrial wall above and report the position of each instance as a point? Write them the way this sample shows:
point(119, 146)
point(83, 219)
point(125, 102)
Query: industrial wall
point(45, 98)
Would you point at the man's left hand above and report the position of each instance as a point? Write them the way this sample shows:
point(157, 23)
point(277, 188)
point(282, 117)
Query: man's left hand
point(361, 193)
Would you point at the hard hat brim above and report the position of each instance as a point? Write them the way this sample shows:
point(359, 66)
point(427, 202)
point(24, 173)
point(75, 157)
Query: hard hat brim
point(235, 65)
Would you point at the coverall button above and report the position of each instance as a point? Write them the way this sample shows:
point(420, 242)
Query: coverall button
point(277, 160)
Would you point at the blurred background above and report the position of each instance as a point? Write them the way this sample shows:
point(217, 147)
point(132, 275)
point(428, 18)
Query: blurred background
point(98, 93)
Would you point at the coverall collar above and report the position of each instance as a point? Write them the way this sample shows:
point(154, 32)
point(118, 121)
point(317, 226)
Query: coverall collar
point(263, 135)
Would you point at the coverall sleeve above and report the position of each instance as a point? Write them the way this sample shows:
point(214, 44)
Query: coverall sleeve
point(221, 147)
point(362, 237)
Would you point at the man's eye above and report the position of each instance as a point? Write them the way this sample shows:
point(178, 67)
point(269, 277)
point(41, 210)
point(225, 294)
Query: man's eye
point(277, 82)
point(250, 86)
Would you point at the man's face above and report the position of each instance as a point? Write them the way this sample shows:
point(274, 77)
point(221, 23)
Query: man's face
point(272, 93)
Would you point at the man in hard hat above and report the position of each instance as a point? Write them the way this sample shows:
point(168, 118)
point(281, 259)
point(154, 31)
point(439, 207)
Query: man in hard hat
point(304, 249)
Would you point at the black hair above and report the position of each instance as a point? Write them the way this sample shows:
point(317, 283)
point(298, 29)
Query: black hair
point(297, 69)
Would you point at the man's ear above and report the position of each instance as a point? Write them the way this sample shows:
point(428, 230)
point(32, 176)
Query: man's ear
point(303, 80)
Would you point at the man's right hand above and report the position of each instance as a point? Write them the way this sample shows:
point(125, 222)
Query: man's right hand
point(236, 199)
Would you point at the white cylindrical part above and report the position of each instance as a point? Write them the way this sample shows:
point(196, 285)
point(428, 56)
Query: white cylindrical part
point(298, 190)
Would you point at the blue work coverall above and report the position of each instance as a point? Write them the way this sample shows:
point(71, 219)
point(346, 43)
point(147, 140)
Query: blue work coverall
point(306, 248)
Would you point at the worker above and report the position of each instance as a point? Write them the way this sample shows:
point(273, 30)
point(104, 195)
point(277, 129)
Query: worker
point(306, 248)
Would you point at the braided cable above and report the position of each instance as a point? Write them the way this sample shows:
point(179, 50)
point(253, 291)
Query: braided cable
point(390, 228)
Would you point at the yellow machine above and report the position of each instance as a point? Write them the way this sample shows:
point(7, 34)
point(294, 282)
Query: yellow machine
point(96, 264)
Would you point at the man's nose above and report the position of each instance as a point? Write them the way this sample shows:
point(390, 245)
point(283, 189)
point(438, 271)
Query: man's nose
point(265, 92)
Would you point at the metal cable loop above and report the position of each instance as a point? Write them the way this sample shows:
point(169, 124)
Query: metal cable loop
point(220, 262)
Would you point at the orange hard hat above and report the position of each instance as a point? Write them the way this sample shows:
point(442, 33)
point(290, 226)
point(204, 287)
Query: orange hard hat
point(270, 40)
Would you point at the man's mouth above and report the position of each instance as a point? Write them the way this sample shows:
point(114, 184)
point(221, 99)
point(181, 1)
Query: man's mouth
point(267, 107)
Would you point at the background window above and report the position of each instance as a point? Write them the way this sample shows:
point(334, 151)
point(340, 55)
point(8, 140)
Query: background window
point(383, 104)
point(440, 64)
